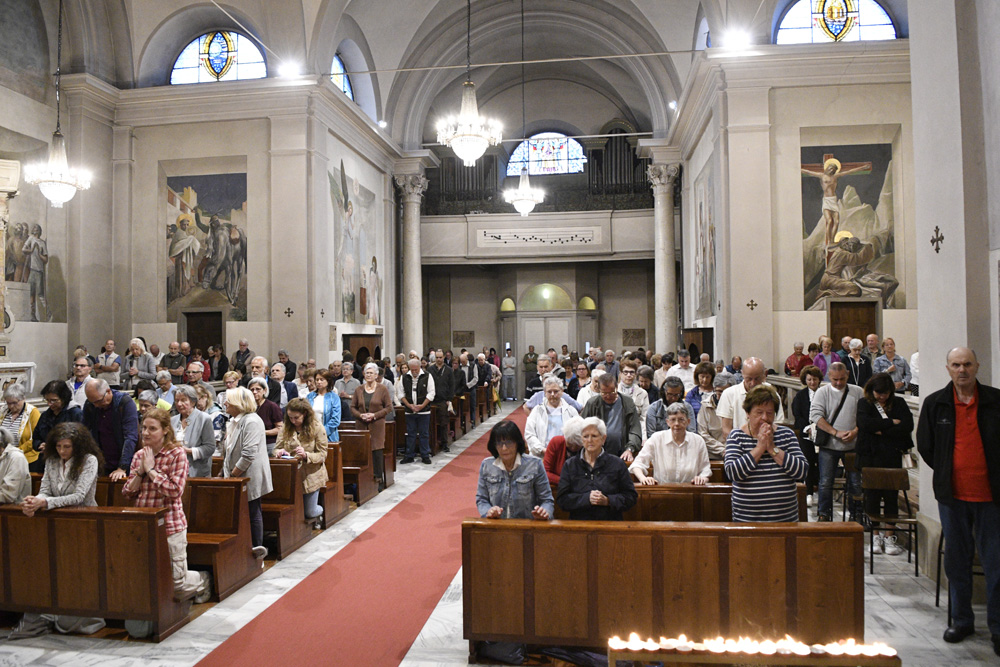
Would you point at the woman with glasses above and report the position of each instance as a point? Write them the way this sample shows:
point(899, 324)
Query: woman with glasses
point(20, 418)
point(512, 484)
point(61, 409)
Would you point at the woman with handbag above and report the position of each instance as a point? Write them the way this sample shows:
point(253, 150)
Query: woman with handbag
point(885, 427)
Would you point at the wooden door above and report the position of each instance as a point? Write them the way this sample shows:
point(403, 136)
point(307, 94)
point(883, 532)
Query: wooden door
point(851, 318)
point(697, 341)
point(204, 329)
point(362, 344)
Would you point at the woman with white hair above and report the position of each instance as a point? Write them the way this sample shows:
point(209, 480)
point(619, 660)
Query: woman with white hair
point(139, 364)
point(595, 486)
point(20, 418)
point(194, 430)
point(591, 390)
point(546, 420)
point(370, 405)
point(859, 367)
point(245, 455)
point(563, 447)
point(676, 455)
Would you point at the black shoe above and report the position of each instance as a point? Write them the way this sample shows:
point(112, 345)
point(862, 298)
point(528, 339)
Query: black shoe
point(408, 459)
point(426, 460)
point(445, 448)
point(996, 644)
point(956, 633)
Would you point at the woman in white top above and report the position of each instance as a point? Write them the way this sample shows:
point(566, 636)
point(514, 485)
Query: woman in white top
point(546, 420)
point(677, 455)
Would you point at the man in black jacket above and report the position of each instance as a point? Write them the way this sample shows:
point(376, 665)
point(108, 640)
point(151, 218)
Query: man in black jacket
point(959, 437)
point(444, 390)
point(620, 416)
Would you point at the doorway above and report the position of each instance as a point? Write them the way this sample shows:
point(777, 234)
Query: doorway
point(362, 346)
point(204, 329)
point(854, 317)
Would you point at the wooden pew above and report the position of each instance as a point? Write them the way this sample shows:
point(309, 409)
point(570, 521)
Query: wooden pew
point(400, 422)
point(577, 583)
point(455, 421)
point(335, 507)
point(218, 532)
point(687, 502)
point(357, 455)
point(283, 508)
point(481, 407)
point(108, 562)
point(718, 473)
point(389, 453)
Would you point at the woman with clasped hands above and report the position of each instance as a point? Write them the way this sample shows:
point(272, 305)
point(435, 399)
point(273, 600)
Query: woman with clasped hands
point(512, 484)
point(677, 455)
point(764, 461)
point(595, 485)
point(302, 437)
point(245, 455)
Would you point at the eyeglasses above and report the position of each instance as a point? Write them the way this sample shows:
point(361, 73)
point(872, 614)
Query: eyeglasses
point(506, 444)
point(81, 365)
point(628, 372)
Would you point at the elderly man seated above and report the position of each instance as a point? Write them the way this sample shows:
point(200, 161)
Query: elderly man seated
point(546, 421)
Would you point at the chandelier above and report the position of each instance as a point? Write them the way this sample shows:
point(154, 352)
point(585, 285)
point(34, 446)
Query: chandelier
point(469, 134)
point(524, 197)
point(57, 181)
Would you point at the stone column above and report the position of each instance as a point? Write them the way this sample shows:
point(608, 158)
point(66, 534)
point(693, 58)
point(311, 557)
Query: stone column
point(412, 187)
point(662, 177)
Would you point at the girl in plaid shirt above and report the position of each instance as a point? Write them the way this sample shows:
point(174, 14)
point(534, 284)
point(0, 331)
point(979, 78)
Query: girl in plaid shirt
point(159, 472)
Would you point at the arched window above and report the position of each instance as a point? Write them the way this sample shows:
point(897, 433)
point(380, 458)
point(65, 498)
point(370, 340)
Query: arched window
point(816, 21)
point(339, 76)
point(547, 153)
point(546, 296)
point(220, 55)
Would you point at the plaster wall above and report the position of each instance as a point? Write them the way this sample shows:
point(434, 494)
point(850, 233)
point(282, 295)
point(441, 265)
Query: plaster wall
point(624, 303)
point(704, 158)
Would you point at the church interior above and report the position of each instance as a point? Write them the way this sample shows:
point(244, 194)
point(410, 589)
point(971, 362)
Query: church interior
point(350, 179)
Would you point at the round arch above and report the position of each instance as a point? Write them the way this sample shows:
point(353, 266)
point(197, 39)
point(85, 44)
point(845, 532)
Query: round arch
point(545, 296)
point(586, 303)
point(507, 305)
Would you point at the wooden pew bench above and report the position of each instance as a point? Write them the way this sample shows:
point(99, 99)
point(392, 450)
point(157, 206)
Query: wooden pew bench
point(576, 583)
point(107, 562)
point(687, 502)
point(332, 499)
point(482, 408)
point(389, 452)
point(356, 450)
point(455, 422)
point(283, 508)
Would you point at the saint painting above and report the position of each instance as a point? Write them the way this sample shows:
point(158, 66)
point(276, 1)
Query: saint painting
point(358, 292)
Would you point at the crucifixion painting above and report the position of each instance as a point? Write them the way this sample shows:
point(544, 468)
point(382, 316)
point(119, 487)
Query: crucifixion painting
point(829, 173)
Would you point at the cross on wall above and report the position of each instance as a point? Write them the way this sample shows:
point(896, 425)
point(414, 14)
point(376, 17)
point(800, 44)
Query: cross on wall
point(289, 312)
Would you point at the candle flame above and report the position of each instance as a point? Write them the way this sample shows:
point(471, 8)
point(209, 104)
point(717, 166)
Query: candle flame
point(748, 646)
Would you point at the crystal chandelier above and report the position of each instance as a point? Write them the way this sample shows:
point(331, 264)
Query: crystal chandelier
point(469, 135)
point(57, 181)
point(524, 197)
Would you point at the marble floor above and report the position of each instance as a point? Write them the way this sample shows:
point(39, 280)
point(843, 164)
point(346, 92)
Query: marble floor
point(899, 606)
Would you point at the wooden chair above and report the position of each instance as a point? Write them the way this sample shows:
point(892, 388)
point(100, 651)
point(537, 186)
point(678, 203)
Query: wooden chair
point(891, 479)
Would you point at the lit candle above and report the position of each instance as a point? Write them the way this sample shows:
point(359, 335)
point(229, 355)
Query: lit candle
point(668, 644)
point(885, 650)
point(634, 643)
point(616, 643)
point(870, 651)
point(652, 645)
point(767, 647)
point(834, 649)
point(817, 649)
point(683, 644)
point(851, 648)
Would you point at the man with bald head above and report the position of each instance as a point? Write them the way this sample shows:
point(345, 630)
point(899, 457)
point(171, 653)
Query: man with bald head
point(730, 409)
point(958, 436)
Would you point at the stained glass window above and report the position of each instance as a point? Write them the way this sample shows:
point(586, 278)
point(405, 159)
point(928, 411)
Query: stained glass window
point(340, 78)
point(815, 21)
point(547, 153)
point(219, 55)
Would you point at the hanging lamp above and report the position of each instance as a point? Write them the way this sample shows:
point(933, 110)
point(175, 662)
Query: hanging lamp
point(524, 197)
point(56, 179)
point(469, 134)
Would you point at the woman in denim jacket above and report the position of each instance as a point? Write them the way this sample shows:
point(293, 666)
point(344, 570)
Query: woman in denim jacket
point(512, 484)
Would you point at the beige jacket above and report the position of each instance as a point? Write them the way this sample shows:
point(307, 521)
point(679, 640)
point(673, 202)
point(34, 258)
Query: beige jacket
point(313, 469)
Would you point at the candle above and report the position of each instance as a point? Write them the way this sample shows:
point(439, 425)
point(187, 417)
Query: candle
point(616, 643)
point(683, 644)
point(834, 649)
point(767, 647)
point(817, 649)
point(634, 643)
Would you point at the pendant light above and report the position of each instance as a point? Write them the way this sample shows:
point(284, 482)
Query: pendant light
point(57, 181)
point(524, 197)
point(469, 134)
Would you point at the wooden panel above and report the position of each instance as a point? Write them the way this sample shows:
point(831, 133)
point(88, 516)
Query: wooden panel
point(677, 506)
point(126, 545)
point(819, 603)
point(284, 489)
point(757, 582)
point(561, 590)
point(692, 598)
point(497, 567)
point(30, 572)
point(717, 507)
point(213, 510)
point(77, 553)
point(624, 584)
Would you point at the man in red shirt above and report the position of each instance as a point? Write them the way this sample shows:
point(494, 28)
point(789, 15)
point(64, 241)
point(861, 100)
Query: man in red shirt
point(959, 437)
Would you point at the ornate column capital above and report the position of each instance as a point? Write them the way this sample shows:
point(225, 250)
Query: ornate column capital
point(663, 174)
point(412, 185)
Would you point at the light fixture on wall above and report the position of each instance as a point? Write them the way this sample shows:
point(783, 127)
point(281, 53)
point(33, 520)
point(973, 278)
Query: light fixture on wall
point(55, 178)
point(469, 134)
point(524, 197)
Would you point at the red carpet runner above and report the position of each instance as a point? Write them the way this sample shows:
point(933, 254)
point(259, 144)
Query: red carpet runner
point(367, 604)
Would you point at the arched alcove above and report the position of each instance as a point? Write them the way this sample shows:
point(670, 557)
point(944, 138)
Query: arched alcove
point(507, 305)
point(586, 303)
point(546, 296)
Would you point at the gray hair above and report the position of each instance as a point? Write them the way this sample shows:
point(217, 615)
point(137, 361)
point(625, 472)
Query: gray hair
point(837, 366)
point(678, 408)
point(243, 341)
point(258, 380)
point(597, 423)
point(370, 365)
point(278, 363)
point(722, 380)
point(98, 384)
point(188, 390)
point(283, 351)
point(573, 430)
point(856, 344)
point(673, 381)
point(200, 365)
point(551, 380)
point(163, 375)
point(6, 437)
point(607, 380)
point(14, 392)
point(683, 353)
point(413, 361)
point(138, 341)
point(797, 344)
point(149, 396)
point(645, 372)
point(264, 359)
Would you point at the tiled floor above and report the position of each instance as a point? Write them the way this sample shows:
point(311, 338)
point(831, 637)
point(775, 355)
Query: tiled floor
point(899, 607)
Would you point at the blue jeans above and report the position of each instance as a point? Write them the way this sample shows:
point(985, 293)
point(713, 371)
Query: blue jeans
point(472, 407)
point(311, 503)
point(418, 427)
point(968, 527)
point(828, 459)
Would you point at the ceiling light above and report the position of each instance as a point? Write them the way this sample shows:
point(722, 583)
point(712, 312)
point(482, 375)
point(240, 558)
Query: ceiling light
point(289, 69)
point(469, 134)
point(736, 40)
point(383, 124)
point(672, 105)
point(525, 197)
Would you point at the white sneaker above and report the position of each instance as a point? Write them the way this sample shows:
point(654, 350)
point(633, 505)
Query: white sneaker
point(879, 544)
point(810, 500)
point(260, 552)
point(889, 546)
point(206, 591)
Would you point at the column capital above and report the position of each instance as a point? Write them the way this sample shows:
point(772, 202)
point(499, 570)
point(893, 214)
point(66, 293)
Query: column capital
point(412, 185)
point(663, 174)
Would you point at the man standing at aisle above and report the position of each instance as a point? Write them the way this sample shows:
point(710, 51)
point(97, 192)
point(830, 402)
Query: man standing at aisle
point(530, 363)
point(958, 435)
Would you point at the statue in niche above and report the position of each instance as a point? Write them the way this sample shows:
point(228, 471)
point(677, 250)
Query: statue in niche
point(15, 270)
point(36, 255)
point(829, 176)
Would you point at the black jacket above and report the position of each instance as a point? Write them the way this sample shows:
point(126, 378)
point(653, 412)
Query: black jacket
point(800, 409)
point(885, 450)
point(610, 476)
point(631, 435)
point(864, 371)
point(444, 385)
point(936, 436)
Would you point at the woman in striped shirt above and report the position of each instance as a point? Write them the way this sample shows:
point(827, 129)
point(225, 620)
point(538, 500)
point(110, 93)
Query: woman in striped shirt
point(764, 461)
